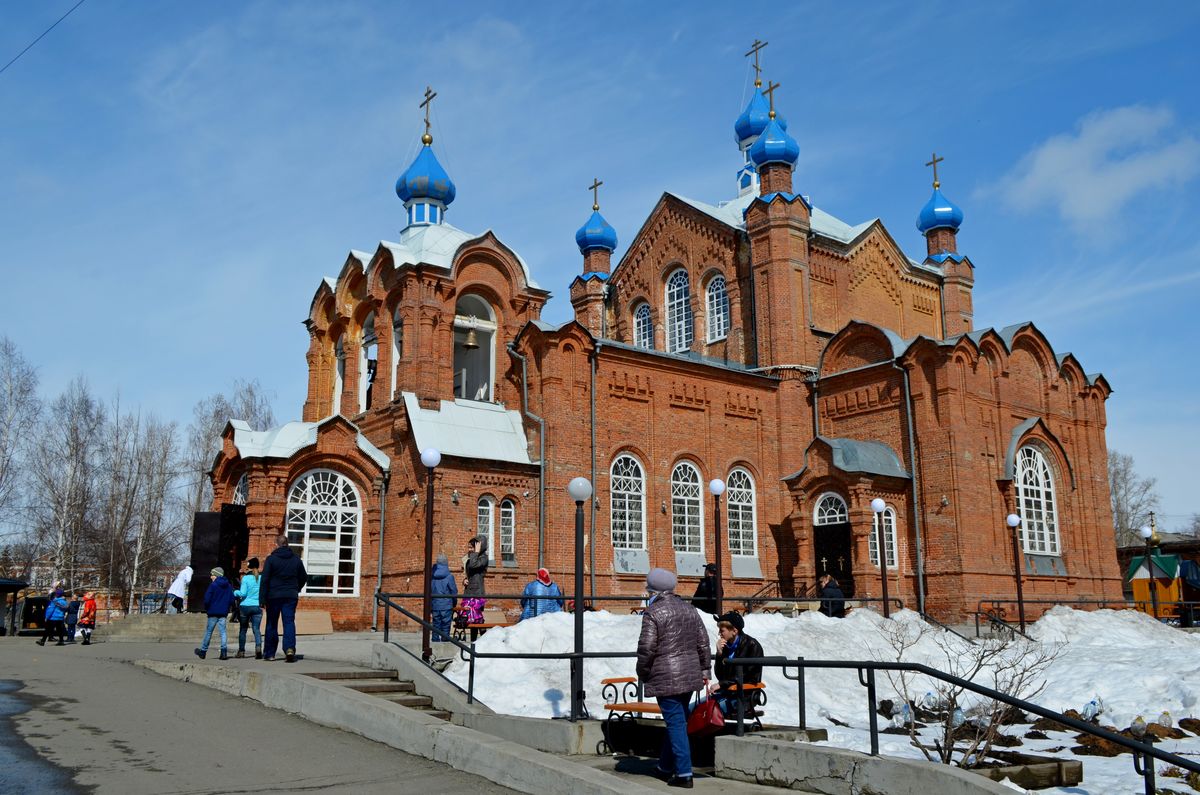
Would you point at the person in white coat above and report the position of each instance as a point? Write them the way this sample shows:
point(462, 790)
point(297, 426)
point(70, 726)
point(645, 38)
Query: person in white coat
point(178, 591)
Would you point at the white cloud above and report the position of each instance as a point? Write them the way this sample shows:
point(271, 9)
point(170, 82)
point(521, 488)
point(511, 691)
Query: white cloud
point(1088, 176)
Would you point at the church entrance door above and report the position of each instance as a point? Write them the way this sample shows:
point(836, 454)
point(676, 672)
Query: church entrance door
point(831, 554)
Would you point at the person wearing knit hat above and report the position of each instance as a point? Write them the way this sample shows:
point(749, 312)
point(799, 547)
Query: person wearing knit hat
point(445, 595)
point(673, 662)
point(541, 596)
point(217, 601)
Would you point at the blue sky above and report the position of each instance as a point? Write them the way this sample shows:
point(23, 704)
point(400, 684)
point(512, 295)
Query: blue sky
point(175, 178)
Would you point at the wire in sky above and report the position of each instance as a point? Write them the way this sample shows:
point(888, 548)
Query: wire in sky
point(39, 38)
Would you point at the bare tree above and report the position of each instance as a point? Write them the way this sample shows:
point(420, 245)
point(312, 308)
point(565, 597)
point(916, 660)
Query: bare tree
point(1194, 526)
point(1133, 497)
point(158, 532)
point(248, 402)
point(19, 410)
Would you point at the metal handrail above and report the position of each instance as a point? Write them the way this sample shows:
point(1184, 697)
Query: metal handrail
point(1141, 751)
point(931, 620)
point(865, 600)
point(998, 622)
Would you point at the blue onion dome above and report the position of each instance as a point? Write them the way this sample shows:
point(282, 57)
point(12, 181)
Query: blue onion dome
point(596, 233)
point(939, 213)
point(755, 117)
point(775, 146)
point(425, 179)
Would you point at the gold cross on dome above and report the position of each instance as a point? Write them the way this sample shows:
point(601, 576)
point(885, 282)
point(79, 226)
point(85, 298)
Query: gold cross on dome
point(770, 92)
point(758, 45)
point(429, 95)
point(933, 162)
point(595, 189)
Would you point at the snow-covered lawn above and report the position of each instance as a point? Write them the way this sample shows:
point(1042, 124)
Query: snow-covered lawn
point(1135, 666)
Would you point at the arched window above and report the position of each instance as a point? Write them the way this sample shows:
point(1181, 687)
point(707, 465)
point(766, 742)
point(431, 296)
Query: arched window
point(627, 503)
point(397, 350)
point(485, 523)
point(368, 358)
point(718, 309)
point(323, 519)
point(679, 312)
point(508, 530)
point(241, 492)
point(888, 517)
point(831, 509)
point(1035, 503)
point(739, 501)
point(339, 374)
point(643, 327)
point(474, 348)
point(686, 523)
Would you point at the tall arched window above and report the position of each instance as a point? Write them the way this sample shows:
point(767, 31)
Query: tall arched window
point(1035, 503)
point(339, 374)
point(474, 348)
point(508, 530)
point(627, 503)
point(368, 358)
point(739, 501)
point(831, 509)
point(643, 327)
point(397, 350)
point(485, 523)
point(686, 523)
point(718, 309)
point(888, 517)
point(323, 521)
point(241, 491)
point(679, 312)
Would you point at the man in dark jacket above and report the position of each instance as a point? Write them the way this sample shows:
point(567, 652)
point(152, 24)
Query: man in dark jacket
point(283, 577)
point(217, 601)
point(705, 598)
point(734, 643)
point(833, 601)
point(444, 591)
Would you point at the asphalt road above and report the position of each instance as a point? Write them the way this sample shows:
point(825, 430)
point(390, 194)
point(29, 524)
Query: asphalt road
point(85, 719)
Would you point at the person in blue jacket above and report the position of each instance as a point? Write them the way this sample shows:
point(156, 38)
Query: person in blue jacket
point(445, 597)
point(542, 585)
point(250, 609)
point(217, 600)
point(56, 613)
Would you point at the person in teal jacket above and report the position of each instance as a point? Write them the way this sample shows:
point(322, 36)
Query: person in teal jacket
point(250, 609)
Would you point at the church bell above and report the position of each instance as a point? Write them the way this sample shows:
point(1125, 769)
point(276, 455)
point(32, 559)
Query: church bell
point(472, 340)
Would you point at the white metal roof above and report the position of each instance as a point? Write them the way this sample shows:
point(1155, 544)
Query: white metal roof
point(436, 244)
point(468, 429)
point(289, 439)
point(824, 224)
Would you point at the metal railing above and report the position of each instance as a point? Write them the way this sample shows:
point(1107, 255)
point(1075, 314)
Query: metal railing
point(1144, 754)
point(931, 620)
point(992, 609)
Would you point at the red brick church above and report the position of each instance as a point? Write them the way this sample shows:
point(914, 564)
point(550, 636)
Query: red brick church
point(809, 364)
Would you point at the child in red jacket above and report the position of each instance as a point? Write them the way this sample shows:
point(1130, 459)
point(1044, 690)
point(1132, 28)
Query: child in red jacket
point(87, 617)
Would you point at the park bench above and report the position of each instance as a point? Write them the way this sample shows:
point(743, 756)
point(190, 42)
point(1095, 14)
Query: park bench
point(624, 701)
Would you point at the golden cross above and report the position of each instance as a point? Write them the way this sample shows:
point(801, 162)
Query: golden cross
point(934, 163)
point(595, 189)
point(429, 95)
point(770, 92)
point(758, 45)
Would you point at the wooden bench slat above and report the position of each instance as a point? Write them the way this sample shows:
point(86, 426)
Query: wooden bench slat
point(619, 680)
point(633, 706)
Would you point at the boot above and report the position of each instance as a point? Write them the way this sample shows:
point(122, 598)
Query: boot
point(240, 654)
point(289, 655)
point(258, 652)
point(41, 642)
point(201, 653)
point(61, 642)
point(87, 642)
point(224, 655)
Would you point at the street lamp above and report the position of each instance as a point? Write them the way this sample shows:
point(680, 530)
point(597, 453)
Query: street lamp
point(430, 457)
point(717, 487)
point(1013, 521)
point(879, 506)
point(580, 490)
point(1147, 533)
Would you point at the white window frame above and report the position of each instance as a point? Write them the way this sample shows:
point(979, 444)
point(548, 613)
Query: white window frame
point(397, 349)
point(332, 500)
point(508, 529)
point(742, 514)
point(1036, 503)
point(888, 515)
point(717, 306)
point(241, 491)
point(643, 327)
point(627, 502)
point(339, 373)
point(830, 509)
point(369, 340)
point(687, 508)
point(678, 302)
point(485, 523)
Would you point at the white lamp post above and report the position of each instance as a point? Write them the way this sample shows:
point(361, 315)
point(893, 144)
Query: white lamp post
point(716, 487)
point(878, 506)
point(1147, 534)
point(430, 457)
point(1013, 521)
point(580, 490)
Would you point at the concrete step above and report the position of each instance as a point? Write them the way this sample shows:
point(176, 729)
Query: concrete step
point(410, 700)
point(381, 687)
point(437, 713)
point(353, 675)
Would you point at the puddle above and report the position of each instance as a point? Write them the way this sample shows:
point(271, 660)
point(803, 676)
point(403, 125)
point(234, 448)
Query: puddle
point(21, 769)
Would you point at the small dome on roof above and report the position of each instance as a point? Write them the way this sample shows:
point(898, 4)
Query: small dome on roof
point(755, 117)
point(425, 179)
point(596, 233)
point(775, 146)
point(939, 213)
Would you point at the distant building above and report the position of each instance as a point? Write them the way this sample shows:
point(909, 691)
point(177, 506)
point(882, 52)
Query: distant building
point(808, 363)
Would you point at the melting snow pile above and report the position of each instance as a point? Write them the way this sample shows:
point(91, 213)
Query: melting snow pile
point(1135, 665)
